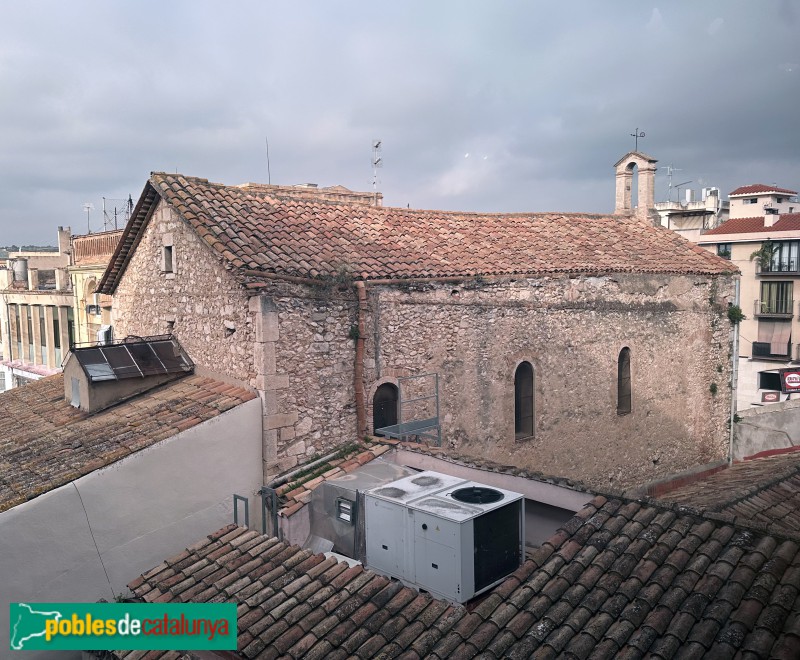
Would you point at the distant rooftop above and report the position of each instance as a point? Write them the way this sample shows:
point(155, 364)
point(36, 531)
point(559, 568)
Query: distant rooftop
point(754, 225)
point(760, 189)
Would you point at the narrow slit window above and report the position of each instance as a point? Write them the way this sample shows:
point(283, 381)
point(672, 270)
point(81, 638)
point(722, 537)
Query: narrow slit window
point(168, 261)
point(624, 382)
point(523, 401)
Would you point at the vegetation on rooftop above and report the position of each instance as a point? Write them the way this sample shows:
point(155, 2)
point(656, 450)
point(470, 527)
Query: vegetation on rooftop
point(314, 471)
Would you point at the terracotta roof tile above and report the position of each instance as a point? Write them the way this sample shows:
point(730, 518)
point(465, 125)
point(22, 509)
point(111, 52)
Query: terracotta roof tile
point(717, 589)
point(760, 188)
point(254, 229)
point(765, 490)
point(46, 443)
point(754, 225)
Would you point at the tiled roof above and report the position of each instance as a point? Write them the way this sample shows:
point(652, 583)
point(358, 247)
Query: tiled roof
point(253, 230)
point(46, 443)
point(619, 580)
point(759, 189)
point(761, 491)
point(94, 249)
point(786, 222)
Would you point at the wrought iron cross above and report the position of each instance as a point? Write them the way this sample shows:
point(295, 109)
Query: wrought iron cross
point(636, 134)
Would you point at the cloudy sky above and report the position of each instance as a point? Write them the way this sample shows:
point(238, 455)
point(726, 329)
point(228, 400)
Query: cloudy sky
point(501, 105)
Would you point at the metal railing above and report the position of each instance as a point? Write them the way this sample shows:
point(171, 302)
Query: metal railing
point(778, 307)
point(787, 266)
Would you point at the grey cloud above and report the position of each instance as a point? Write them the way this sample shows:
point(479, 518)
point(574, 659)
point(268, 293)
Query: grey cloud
point(93, 96)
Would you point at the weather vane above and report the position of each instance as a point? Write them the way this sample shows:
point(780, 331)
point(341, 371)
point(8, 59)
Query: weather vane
point(636, 134)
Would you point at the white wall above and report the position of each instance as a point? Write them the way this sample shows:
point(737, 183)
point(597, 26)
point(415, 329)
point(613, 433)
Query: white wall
point(141, 509)
point(775, 426)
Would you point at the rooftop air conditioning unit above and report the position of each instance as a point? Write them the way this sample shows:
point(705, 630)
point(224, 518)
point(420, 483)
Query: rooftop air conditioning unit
point(448, 536)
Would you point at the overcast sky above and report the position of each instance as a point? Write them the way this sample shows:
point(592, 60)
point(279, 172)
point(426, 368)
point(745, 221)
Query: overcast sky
point(480, 105)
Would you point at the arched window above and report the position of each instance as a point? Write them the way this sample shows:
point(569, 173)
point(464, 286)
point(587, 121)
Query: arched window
point(633, 168)
point(523, 401)
point(624, 382)
point(384, 407)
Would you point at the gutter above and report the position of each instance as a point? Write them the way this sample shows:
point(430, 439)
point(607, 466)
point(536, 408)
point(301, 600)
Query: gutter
point(734, 372)
point(358, 370)
point(454, 279)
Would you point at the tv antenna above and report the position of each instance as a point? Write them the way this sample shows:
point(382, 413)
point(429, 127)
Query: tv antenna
point(88, 207)
point(678, 188)
point(670, 171)
point(377, 162)
point(113, 209)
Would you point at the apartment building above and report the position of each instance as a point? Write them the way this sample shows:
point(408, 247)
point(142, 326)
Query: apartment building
point(38, 323)
point(48, 304)
point(765, 245)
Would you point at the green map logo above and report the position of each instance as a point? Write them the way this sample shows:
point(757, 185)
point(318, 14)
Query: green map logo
point(27, 623)
point(122, 626)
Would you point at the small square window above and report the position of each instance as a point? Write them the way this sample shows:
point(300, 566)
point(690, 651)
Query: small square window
point(724, 250)
point(168, 260)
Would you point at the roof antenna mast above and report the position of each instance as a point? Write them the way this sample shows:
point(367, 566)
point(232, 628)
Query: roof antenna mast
point(670, 171)
point(377, 162)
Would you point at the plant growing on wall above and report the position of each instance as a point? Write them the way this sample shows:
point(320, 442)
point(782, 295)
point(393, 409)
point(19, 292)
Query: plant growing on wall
point(763, 256)
point(735, 314)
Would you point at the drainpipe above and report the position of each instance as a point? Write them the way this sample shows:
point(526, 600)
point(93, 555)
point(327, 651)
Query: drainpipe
point(358, 371)
point(734, 373)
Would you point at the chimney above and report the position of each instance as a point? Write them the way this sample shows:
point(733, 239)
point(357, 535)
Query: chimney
point(33, 279)
point(771, 216)
point(64, 235)
point(62, 279)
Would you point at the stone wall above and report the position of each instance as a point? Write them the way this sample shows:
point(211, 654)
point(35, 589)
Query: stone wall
point(571, 330)
point(304, 361)
point(295, 344)
point(199, 302)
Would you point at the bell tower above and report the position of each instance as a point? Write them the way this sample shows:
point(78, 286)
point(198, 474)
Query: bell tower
point(635, 163)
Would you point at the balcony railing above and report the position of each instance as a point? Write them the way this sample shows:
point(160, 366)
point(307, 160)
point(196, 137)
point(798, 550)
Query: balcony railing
point(788, 266)
point(778, 308)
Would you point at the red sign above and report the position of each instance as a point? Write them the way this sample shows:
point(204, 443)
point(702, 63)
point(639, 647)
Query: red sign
point(790, 380)
point(770, 397)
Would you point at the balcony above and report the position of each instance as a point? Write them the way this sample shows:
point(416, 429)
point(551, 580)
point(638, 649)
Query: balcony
point(764, 350)
point(780, 308)
point(787, 267)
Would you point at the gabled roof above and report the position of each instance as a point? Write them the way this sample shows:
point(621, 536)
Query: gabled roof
point(764, 491)
point(635, 154)
point(754, 225)
point(46, 443)
point(254, 231)
point(760, 189)
point(621, 579)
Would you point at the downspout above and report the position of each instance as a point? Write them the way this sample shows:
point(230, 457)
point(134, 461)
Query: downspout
point(358, 370)
point(734, 372)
